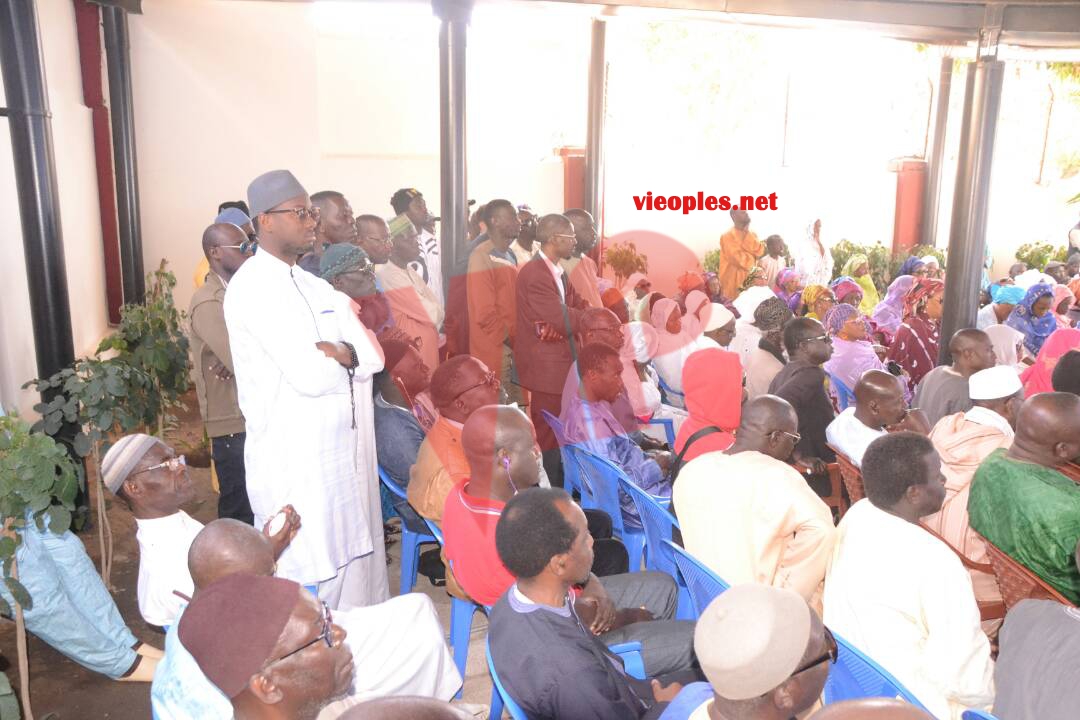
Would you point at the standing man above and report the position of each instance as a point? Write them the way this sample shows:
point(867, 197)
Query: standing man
point(226, 248)
point(416, 308)
point(739, 250)
point(580, 268)
point(373, 237)
point(334, 225)
point(304, 365)
point(548, 309)
point(489, 287)
point(410, 202)
point(524, 247)
point(773, 261)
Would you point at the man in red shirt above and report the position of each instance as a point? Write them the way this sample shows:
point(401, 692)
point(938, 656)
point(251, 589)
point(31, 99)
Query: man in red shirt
point(500, 445)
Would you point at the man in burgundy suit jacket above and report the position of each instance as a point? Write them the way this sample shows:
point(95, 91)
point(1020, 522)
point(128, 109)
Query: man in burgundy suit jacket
point(548, 311)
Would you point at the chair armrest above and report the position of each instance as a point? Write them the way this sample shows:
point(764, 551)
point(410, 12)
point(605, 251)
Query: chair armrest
point(669, 428)
point(630, 653)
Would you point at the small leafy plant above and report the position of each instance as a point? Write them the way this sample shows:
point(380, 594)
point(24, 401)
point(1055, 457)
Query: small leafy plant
point(625, 260)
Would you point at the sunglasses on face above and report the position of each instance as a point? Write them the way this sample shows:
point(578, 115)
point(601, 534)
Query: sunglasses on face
point(302, 213)
point(326, 635)
point(173, 464)
point(832, 652)
point(247, 247)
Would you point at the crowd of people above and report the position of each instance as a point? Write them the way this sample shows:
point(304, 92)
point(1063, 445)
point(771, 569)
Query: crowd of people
point(329, 346)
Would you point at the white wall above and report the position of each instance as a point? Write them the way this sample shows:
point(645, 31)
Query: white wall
point(79, 215)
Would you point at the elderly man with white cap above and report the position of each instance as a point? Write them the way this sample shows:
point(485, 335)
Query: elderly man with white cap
point(963, 441)
point(765, 653)
point(303, 365)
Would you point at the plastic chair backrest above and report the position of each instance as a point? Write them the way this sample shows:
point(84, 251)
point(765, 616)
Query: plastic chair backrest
point(657, 522)
point(669, 392)
point(434, 530)
point(400, 499)
point(854, 675)
point(669, 429)
point(1017, 582)
point(599, 478)
point(851, 475)
point(571, 479)
point(844, 396)
point(704, 585)
point(556, 427)
point(511, 705)
point(978, 715)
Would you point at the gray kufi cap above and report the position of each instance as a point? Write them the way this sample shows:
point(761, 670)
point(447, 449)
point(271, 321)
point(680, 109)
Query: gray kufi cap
point(271, 189)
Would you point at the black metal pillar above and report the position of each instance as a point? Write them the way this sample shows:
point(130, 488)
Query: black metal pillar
point(118, 64)
point(967, 236)
point(454, 15)
point(931, 204)
point(29, 119)
point(594, 141)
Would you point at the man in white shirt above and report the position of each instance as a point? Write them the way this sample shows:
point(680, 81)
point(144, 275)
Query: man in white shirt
point(303, 365)
point(899, 594)
point(750, 516)
point(410, 202)
point(879, 404)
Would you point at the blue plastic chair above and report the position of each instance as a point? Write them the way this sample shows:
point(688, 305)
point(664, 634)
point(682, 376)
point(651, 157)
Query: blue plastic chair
point(854, 675)
point(704, 585)
point(844, 395)
point(669, 428)
point(629, 652)
point(659, 522)
point(978, 715)
point(666, 392)
point(600, 491)
point(571, 474)
point(413, 533)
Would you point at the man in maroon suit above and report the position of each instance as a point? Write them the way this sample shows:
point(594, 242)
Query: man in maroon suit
point(548, 311)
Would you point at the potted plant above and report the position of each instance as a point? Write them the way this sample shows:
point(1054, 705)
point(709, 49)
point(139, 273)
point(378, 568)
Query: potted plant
point(625, 260)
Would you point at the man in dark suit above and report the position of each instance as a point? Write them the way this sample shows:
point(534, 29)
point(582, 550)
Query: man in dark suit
point(548, 311)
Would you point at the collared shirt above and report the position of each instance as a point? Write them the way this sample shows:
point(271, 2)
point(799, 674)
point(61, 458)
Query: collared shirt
point(985, 416)
point(180, 690)
point(851, 436)
point(305, 446)
point(163, 549)
point(752, 518)
point(469, 536)
point(902, 597)
point(557, 272)
point(440, 464)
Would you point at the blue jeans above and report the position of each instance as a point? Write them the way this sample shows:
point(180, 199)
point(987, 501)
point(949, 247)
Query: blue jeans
point(72, 611)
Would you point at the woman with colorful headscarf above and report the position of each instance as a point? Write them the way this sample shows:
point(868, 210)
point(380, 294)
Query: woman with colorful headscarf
point(674, 345)
point(853, 353)
point(847, 291)
point(858, 267)
point(816, 300)
point(1061, 304)
point(787, 287)
point(1033, 317)
point(1037, 377)
point(889, 313)
point(915, 348)
point(913, 266)
point(714, 394)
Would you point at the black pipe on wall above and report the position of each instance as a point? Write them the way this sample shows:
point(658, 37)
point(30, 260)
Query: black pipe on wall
point(30, 122)
point(118, 65)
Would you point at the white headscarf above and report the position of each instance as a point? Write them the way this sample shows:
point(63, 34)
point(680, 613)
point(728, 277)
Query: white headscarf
point(750, 298)
point(1006, 341)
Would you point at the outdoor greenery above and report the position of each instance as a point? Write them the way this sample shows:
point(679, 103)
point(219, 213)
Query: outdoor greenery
point(711, 261)
point(38, 483)
point(625, 260)
point(1036, 254)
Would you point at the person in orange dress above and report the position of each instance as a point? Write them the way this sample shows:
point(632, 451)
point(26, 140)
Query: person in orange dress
point(739, 250)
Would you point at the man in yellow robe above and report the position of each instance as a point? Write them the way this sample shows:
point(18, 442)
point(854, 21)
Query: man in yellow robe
point(739, 250)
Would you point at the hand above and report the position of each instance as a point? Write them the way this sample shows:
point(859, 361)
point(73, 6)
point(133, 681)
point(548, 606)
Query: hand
point(650, 443)
point(816, 466)
point(914, 420)
point(665, 694)
point(598, 605)
point(663, 459)
point(547, 333)
point(285, 535)
point(336, 351)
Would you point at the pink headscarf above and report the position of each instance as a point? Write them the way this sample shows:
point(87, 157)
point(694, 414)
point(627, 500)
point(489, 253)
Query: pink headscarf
point(1037, 377)
point(1062, 293)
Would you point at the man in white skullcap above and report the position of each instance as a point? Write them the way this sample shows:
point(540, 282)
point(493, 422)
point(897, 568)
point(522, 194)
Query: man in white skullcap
point(720, 325)
point(963, 441)
point(765, 653)
point(303, 366)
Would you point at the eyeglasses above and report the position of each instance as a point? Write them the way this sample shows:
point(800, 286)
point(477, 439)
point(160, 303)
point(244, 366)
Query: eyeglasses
point(173, 464)
point(489, 379)
point(572, 237)
point(832, 652)
point(796, 437)
point(302, 214)
point(326, 635)
point(377, 239)
point(818, 337)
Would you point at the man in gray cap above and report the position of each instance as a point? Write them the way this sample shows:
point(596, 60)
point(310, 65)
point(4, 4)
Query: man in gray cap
point(765, 653)
point(304, 364)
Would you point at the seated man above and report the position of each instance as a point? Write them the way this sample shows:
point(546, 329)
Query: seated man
point(147, 475)
point(879, 408)
point(588, 420)
point(751, 517)
point(1036, 668)
point(944, 390)
point(397, 645)
point(765, 654)
point(901, 595)
point(398, 432)
point(549, 657)
point(458, 387)
point(413, 708)
point(1022, 504)
point(963, 441)
point(268, 645)
point(1066, 375)
point(766, 359)
point(876, 708)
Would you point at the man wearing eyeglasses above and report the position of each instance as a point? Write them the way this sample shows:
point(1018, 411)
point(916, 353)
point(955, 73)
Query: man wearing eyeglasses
point(765, 654)
point(226, 248)
point(580, 268)
point(304, 365)
point(373, 237)
point(751, 517)
point(233, 215)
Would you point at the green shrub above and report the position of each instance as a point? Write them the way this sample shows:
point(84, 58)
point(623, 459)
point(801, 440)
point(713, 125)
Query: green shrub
point(1036, 254)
